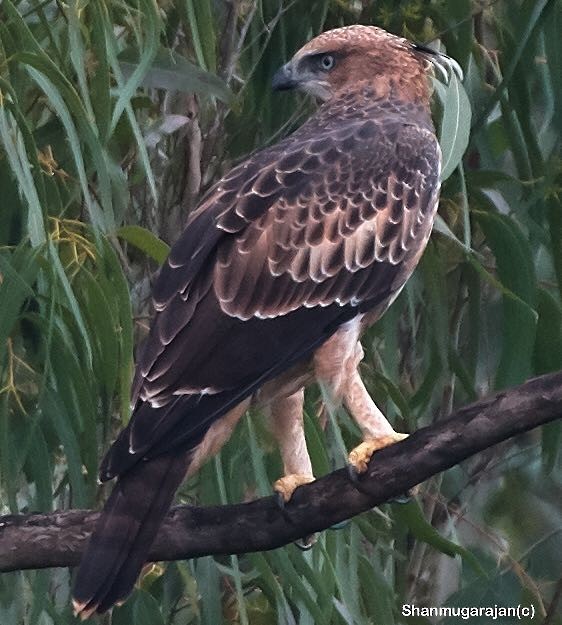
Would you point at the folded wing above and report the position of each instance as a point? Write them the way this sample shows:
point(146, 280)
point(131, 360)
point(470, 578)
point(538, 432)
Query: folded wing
point(288, 246)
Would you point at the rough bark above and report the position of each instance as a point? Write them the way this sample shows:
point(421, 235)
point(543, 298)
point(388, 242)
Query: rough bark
point(57, 539)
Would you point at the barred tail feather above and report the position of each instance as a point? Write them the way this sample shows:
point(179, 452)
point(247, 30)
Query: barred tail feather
point(125, 532)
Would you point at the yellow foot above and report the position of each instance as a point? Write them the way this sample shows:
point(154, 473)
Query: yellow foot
point(359, 457)
point(287, 484)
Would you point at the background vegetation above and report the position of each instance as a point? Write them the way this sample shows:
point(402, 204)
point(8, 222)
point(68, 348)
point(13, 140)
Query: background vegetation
point(115, 115)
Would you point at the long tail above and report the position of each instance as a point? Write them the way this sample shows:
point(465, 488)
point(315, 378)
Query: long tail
point(125, 532)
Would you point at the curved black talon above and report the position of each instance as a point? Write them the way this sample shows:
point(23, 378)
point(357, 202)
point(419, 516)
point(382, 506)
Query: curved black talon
point(281, 506)
point(352, 473)
point(306, 543)
point(279, 500)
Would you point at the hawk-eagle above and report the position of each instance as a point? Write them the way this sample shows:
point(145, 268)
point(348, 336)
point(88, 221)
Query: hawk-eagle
point(286, 261)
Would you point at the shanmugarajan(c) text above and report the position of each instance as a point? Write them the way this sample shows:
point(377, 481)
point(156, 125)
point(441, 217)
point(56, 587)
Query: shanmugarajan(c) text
point(467, 612)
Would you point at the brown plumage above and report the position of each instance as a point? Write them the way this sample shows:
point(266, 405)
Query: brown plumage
point(285, 262)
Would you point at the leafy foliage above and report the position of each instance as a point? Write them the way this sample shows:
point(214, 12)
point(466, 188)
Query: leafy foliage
point(115, 116)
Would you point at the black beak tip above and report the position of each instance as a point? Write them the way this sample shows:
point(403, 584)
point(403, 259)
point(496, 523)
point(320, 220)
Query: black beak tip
point(283, 79)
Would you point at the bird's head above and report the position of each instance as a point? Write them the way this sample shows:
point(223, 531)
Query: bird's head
point(344, 59)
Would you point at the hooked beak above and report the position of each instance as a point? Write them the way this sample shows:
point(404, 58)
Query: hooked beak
point(284, 78)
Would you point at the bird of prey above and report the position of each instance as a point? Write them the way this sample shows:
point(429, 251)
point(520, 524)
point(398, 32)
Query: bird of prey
point(283, 265)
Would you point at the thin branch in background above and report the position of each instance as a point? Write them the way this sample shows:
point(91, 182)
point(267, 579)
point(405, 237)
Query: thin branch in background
point(232, 58)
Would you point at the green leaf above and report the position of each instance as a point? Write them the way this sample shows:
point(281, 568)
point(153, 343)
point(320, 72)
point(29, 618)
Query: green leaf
point(59, 104)
point(56, 413)
point(14, 148)
point(151, 28)
point(145, 241)
point(433, 272)
point(18, 270)
point(516, 273)
point(103, 326)
point(40, 471)
point(548, 342)
point(268, 582)
point(553, 27)
point(117, 290)
point(378, 594)
point(461, 22)
point(489, 178)
point(202, 28)
point(70, 298)
point(66, 100)
point(171, 71)
point(547, 358)
point(146, 610)
point(554, 216)
point(454, 131)
point(78, 54)
point(441, 226)
point(8, 464)
point(127, 90)
point(101, 80)
point(300, 588)
point(411, 515)
point(536, 15)
point(208, 582)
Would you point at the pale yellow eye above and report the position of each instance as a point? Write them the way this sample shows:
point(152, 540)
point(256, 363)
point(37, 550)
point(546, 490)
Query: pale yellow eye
point(327, 62)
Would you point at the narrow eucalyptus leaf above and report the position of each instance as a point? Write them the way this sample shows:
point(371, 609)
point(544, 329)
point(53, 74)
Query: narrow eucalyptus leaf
point(455, 125)
point(173, 72)
point(145, 241)
point(412, 516)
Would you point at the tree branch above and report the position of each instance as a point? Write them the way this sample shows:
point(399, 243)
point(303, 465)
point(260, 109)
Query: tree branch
point(58, 539)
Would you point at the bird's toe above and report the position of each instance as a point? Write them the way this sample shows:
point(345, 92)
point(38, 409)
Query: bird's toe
point(359, 457)
point(286, 486)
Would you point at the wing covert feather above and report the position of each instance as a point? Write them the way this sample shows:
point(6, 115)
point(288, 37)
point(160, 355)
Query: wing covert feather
point(372, 208)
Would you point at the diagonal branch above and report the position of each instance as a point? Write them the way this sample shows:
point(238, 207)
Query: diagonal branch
point(58, 539)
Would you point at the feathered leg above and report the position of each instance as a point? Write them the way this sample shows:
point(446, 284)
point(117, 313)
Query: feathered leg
point(377, 431)
point(336, 367)
point(286, 423)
